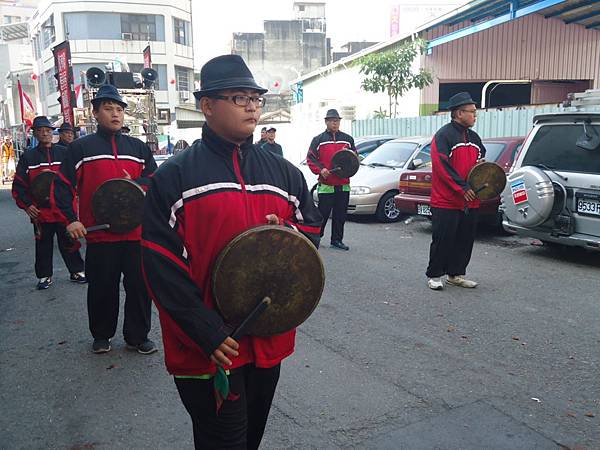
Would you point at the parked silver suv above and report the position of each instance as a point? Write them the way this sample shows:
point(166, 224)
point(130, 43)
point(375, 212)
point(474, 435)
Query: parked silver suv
point(553, 190)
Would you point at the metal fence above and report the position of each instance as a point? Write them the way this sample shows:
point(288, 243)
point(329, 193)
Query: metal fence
point(490, 124)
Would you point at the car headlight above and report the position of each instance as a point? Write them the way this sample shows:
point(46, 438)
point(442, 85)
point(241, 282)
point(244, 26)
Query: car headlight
point(359, 190)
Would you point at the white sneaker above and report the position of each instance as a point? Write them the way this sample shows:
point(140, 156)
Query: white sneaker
point(461, 281)
point(436, 284)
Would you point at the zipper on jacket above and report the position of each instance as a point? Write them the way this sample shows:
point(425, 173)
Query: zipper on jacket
point(114, 146)
point(237, 156)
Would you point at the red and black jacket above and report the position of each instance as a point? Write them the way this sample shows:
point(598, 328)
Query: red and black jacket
point(197, 203)
point(322, 148)
point(33, 162)
point(89, 162)
point(455, 149)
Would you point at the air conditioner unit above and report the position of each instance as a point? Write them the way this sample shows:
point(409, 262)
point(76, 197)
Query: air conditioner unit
point(348, 112)
point(184, 96)
point(127, 36)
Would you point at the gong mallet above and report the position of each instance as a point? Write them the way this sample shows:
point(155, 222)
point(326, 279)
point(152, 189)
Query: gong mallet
point(221, 382)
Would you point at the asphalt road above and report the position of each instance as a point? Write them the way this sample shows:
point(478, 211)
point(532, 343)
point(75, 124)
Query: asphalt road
point(383, 363)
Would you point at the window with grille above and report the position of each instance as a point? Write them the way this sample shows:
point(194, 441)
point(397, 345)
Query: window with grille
point(182, 77)
point(48, 32)
point(181, 31)
point(141, 26)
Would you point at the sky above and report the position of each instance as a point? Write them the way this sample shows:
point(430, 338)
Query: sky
point(215, 21)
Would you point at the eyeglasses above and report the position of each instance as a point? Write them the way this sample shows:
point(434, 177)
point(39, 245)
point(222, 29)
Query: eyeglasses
point(243, 100)
point(472, 111)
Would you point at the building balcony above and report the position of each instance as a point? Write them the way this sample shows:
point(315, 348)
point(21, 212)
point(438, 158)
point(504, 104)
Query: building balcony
point(116, 46)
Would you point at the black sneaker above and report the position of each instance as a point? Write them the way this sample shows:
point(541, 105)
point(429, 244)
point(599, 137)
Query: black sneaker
point(145, 348)
point(44, 283)
point(78, 277)
point(101, 346)
point(340, 245)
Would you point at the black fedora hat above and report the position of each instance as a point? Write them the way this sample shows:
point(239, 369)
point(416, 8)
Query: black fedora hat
point(66, 126)
point(41, 122)
point(332, 114)
point(226, 72)
point(108, 92)
point(460, 99)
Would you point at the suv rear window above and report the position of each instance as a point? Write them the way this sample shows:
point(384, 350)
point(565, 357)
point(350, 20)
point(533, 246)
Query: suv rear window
point(554, 146)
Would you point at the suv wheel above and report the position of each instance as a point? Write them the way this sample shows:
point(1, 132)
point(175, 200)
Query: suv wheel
point(386, 209)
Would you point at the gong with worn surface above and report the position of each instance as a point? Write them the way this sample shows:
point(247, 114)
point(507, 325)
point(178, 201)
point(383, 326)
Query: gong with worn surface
point(487, 179)
point(40, 187)
point(118, 203)
point(345, 163)
point(268, 261)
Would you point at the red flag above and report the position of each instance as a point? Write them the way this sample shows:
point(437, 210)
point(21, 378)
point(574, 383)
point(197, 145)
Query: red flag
point(27, 109)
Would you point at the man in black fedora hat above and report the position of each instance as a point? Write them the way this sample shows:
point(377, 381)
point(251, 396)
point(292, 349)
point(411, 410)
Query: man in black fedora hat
point(455, 149)
point(92, 160)
point(333, 191)
point(46, 218)
point(197, 203)
point(66, 134)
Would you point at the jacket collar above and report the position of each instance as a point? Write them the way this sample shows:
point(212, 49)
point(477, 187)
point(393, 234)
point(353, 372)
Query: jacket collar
point(105, 133)
point(43, 151)
point(459, 127)
point(220, 145)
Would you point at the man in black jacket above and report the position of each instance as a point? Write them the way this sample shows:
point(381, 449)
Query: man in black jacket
point(271, 145)
point(197, 203)
point(334, 192)
point(46, 218)
point(92, 160)
point(263, 136)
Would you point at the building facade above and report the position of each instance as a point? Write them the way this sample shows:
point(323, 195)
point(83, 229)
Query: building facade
point(103, 33)
point(286, 49)
point(503, 55)
point(15, 59)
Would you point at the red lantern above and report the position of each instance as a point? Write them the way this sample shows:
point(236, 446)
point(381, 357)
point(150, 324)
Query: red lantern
point(172, 81)
point(34, 76)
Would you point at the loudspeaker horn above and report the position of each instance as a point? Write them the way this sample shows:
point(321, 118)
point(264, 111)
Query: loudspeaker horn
point(149, 76)
point(95, 76)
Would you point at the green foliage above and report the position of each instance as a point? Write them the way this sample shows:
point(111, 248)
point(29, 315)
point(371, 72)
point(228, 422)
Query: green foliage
point(391, 72)
point(380, 114)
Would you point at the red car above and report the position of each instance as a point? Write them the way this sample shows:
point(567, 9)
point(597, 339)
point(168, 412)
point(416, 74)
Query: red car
point(415, 184)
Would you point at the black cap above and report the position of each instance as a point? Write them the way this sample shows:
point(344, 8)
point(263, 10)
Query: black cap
point(332, 114)
point(460, 99)
point(41, 122)
point(271, 129)
point(226, 72)
point(66, 127)
point(263, 129)
point(125, 127)
point(108, 92)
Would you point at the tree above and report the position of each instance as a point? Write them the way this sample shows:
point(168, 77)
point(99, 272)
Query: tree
point(391, 72)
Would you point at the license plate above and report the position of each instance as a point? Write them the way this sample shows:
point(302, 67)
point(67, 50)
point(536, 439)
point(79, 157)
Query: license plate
point(423, 210)
point(589, 206)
